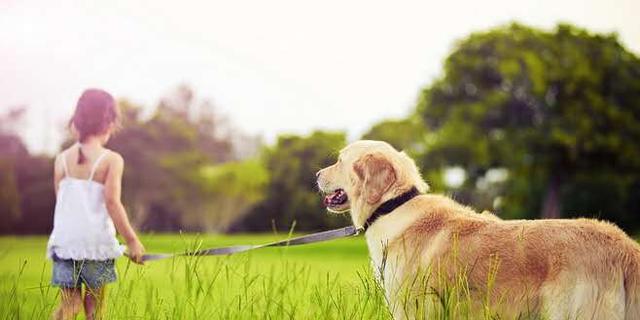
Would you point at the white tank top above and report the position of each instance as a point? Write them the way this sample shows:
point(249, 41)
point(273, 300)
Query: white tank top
point(82, 227)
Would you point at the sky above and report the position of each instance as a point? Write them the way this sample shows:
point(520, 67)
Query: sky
point(271, 67)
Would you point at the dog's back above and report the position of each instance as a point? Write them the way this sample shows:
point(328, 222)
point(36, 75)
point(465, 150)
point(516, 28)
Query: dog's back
point(560, 268)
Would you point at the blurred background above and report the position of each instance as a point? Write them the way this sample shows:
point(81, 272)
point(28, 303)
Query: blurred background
point(529, 110)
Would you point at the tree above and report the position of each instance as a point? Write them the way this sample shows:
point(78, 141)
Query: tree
point(34, 177)
point(182, 170)
point(9, 198)
point(164, 156)
point(27, 195)
point(228, 193)
point(560, 110)
point(292, 194)
point(403, 134)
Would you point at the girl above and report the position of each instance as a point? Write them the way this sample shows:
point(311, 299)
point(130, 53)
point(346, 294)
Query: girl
point(87, 179)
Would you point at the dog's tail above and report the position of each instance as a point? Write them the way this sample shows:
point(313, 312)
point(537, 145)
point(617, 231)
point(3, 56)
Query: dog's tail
point(632, 285)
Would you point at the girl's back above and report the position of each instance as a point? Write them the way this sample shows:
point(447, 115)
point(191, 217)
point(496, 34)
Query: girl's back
point(83, 229)
point(83, 170)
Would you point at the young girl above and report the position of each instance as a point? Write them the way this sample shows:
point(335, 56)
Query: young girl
point(87, 179)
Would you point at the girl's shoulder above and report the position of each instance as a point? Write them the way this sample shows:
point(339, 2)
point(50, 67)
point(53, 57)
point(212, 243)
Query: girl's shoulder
point(109, 157)
point(68, 149)
point(60, 157)
point(113, 157)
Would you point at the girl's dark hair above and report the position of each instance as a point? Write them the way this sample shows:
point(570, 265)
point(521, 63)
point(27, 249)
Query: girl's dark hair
point(95, 112)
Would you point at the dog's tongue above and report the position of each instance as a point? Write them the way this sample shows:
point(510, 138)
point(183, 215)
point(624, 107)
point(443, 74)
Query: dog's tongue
point(327, 199)
point(335, 198)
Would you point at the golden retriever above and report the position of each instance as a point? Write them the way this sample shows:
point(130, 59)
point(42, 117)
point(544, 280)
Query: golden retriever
point(430, 253)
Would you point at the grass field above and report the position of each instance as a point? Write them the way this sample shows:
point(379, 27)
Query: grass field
point(320, 281)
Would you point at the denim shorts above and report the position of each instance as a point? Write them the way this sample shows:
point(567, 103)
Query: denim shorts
point(94, 274)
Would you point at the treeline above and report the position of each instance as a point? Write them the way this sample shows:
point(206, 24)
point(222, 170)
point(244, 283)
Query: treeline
point(523, 122)
point(26, 185)
point(541, 124)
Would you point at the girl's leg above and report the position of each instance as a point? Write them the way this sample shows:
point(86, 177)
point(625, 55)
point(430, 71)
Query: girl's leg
point(94, 300)
point(70, 305)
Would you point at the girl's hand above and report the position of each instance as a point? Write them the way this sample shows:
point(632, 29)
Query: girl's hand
point(136, 251)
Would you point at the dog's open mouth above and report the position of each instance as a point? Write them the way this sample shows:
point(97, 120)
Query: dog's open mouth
point(337, 201)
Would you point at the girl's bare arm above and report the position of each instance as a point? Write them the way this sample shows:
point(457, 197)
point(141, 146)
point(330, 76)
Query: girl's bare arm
point(112, 193)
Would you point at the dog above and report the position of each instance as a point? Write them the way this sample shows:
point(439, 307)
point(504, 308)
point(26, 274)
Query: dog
point(427, 248)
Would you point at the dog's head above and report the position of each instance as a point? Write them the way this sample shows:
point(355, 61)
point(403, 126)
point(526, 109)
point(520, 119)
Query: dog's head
point(367, 174)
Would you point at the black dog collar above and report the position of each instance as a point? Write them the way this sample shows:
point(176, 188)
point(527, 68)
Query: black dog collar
point(391, 205)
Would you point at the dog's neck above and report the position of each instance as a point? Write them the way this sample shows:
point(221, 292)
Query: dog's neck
point(390, 205)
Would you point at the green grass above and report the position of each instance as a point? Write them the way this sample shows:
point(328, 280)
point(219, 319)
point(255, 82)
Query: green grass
point(330, 280)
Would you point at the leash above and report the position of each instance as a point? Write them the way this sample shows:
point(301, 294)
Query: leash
point(310, 238)
point(385, 208)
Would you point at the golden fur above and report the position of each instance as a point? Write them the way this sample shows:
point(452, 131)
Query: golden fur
point(556, 269)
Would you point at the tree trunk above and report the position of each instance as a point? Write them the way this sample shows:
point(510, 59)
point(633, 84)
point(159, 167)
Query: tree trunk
point(551, 204)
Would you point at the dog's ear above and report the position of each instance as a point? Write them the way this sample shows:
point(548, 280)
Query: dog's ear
point(376, 174)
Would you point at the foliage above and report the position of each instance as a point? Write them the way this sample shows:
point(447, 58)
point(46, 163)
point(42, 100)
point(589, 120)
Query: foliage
point(230, 190)
point(292, 194)
point(26, 190)
point(9, 198)
point(403, 134)
point(34, 175)
point(164, 184)
point(168, 182)
point(557, 109)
